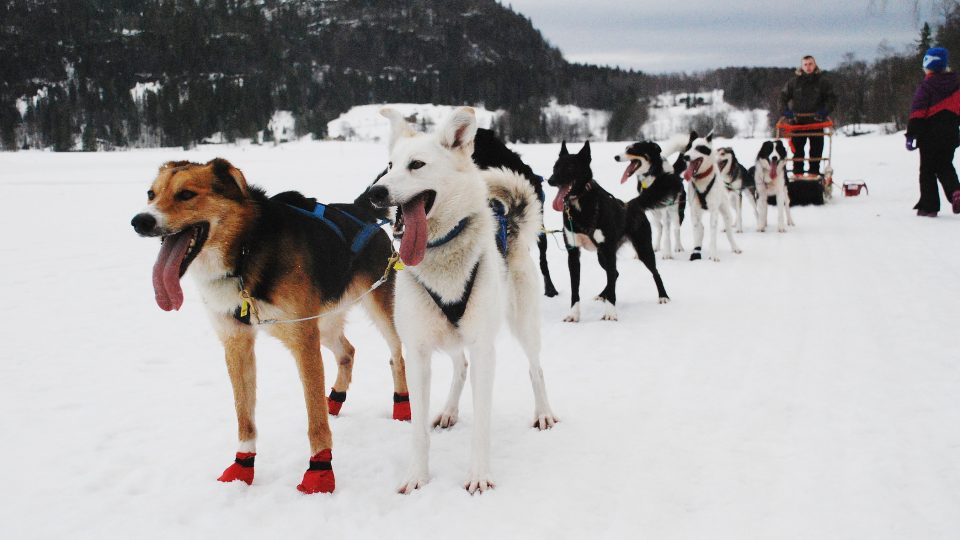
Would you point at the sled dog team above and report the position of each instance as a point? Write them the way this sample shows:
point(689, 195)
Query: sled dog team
point(466, 210)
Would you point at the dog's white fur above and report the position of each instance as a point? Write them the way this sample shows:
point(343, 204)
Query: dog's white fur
point(772, 186)
point(734, 187)
point(463, 191)
point(718, 201)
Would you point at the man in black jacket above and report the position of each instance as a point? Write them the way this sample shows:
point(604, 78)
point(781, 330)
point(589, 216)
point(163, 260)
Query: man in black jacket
point(811, 96)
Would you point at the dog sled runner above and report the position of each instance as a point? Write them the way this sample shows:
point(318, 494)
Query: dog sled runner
point(809, 188)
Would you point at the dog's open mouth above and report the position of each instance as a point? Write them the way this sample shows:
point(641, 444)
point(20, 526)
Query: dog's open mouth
point(723, 164)
point(693, 168)
point(411, 227)
point(631, 168)
point(177, 251)
point(562, 191)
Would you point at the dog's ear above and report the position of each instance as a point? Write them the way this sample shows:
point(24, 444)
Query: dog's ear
point(459, 129)
point(585, 151)
point(175, 164)
point(710, 136)
point(398, 125)
point(563, 149)
point(656, 148)
point(781, 149)
point(230, 181)
point(693, 136)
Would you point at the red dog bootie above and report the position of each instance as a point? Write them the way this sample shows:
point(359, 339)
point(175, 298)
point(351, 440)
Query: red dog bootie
point(242, 469)
point(335, 401)
point(401, 406)
point(319, 477)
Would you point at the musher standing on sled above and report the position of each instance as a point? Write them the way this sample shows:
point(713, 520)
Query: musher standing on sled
point(932, 127)
point(811, 96)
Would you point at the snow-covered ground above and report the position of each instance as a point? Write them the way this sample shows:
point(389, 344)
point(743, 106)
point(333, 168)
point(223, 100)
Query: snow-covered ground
point(808, 388)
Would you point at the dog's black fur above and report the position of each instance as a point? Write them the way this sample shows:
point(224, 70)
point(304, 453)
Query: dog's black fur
point(488, 152)
point(739, 172)
point(589, 208)
point(667, 186)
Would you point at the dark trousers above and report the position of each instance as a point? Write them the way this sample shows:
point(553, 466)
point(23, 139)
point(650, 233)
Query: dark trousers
point(936, 163)
point(816, 152)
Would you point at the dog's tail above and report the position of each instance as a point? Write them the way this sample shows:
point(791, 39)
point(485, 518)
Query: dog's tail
point(674, 144)
point(363, 201)
point(523, 211)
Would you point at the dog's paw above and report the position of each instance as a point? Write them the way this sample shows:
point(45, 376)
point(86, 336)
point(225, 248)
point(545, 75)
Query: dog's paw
point(574, 315)
point(696, 255)
point(478, 483)
point(664, 300)
point(679, 249)
point(781, 229)
point(714, 258)
point(666, 255)
point(415, 480)
point(446, 419)
point(761, 229)
point(550, 291)
point(545, 420)
point(738, 231)
point(738, 251)
point(609, 312)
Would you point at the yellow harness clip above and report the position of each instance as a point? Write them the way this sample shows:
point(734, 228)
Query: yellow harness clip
point(244, 308)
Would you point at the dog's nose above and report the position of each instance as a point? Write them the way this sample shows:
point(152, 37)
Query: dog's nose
point(616, 157)
point(143, 223)
point(379, 196)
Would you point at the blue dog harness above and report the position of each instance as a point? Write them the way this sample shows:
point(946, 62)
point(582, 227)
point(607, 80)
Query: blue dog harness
point(363, 236)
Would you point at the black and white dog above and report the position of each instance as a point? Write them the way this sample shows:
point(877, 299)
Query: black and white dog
point(659, 190)
point(770, 175)
point(596, 220)
point(737, 180)
point(490, 152)
point(706, 194)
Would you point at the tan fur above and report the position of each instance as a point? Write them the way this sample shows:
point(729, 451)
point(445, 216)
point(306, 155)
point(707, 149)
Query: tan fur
point(229, 209)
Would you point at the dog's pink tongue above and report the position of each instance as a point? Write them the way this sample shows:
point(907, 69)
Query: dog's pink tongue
point(413, 245)
point(561, 194)
point(166, 271)
point(773, 170)
point(688, 172)
point(631, 168)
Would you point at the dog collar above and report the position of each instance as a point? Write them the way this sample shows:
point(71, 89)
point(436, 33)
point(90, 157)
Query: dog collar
point(704, 175)
point(453, 233)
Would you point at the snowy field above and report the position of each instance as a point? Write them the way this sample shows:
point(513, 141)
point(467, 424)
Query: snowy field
point(806, 389)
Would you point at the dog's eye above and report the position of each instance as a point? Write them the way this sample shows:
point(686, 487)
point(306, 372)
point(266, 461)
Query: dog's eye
point(704, 150)
point(184, 195)
point(415, 164)
point(389, 165)
point(151, 195)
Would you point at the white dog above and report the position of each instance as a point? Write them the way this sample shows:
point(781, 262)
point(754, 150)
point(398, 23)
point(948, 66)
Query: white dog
point(706, 193)
point(770, 176)
point(738, 181)
point(460, 277)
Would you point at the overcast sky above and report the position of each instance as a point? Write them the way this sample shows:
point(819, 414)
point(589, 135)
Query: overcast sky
point(687, 35)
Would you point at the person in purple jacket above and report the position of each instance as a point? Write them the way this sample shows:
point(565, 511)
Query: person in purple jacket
point(933, 128)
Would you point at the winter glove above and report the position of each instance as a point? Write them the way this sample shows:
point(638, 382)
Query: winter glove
point(911, 143)
point(788, 114)
point(822, 114)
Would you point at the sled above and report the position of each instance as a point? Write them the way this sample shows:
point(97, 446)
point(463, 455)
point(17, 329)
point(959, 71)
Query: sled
point(809, 188)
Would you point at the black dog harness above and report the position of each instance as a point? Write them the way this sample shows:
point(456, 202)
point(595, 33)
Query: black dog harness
point(702, 197)
point(454, 311)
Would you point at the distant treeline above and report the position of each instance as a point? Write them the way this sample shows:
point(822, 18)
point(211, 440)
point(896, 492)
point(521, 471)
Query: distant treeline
point(224, 66)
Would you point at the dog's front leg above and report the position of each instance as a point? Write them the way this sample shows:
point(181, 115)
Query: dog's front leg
point(303, 340)
point(762, 209)
point(449, 415)
point(418, 380)
point(786, 206)
point(238, 346)
point(548, 289)
point(737, 201)
point(573, 263)
point(727, 215)
point(714, 232)
point(666, 223)
point(781, 211)
point(657, 223)
point(675, 219)
point(482, 364)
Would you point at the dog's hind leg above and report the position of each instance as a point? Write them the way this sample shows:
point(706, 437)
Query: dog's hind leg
point(332, 337)
point(647, 257)
point(418, 379)
point(674, 216)
point(727, 216)
point(663, 216)
point(482, 364)
point(451, 409)
point(607, 255)
point(548, 289)
point(379, 305)
point(238, 344)
point(659, 229)
point(303, 340)
point(524, 323)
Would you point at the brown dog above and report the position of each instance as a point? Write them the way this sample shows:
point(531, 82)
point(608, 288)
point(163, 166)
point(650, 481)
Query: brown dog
point(269, 262)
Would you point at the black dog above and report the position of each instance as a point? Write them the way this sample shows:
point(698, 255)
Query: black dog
point(490, 152)
point(596, 220)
